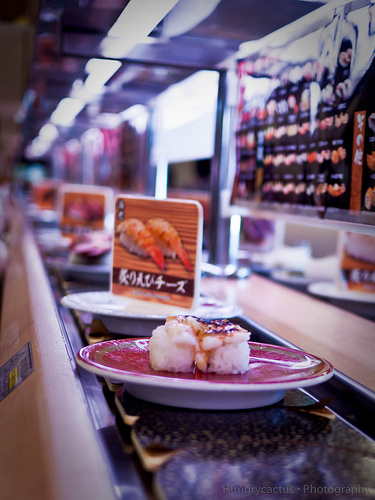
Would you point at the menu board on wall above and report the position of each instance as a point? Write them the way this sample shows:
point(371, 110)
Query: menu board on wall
point(306, 119)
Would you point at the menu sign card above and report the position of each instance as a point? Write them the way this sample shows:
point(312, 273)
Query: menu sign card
point(357, 262)
point(44, 193)
point(157, 249)
point(83, 208)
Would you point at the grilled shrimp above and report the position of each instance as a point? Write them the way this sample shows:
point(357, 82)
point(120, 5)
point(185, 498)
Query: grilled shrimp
point(168, 240)
point(135, 237)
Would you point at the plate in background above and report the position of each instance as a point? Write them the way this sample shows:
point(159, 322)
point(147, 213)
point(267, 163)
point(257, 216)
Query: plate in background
point(291, 277)
point(359, 303)
point(129, 317)
point(330, 290)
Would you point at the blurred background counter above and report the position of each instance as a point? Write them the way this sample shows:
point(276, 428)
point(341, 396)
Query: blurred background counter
point(340, 336)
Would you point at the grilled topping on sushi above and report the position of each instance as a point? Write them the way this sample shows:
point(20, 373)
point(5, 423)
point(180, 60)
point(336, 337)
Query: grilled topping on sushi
point(221, 328)
point(186, 342)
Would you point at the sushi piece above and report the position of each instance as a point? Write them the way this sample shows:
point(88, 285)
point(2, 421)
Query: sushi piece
point(168, 240)
point(92, 249)
point(137, 239)
point(186, 342)
point(172, 347)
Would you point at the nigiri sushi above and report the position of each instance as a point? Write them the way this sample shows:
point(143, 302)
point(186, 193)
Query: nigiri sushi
point(186, 342)
point(168, 240)
point(91, 248)
point(137, 239)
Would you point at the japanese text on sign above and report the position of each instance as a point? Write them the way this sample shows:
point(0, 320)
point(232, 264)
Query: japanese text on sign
point(149, 281)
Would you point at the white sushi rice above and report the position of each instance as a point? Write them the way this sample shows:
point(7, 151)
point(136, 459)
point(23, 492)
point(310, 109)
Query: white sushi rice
point(229, 358)
point(180, 346)
point(172, 348)
point(132, 247)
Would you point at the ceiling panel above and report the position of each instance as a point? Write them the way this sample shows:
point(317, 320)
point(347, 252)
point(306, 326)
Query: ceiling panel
point(194, 35)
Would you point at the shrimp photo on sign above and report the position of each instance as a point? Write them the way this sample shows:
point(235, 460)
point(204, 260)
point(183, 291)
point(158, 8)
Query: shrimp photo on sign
point(157, 250)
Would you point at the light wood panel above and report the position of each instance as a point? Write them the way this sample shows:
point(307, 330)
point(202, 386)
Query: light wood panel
point(49, 447)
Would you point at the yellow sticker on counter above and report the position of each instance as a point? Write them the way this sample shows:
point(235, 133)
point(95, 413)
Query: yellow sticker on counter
point(15, 370)
point(13, 378)
point(157, 250)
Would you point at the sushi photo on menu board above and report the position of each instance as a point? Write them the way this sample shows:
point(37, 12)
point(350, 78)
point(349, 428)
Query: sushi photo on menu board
point(157, 249)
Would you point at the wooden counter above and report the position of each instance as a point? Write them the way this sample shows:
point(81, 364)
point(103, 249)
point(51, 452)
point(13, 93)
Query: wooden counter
point(49, 447)
point(343, 338)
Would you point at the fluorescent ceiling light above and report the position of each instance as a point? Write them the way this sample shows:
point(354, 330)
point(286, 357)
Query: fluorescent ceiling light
point(66, 111)
point(140, 17)
point(119, 47)
point(99, 72)
point(38, 147)
point(116, 47)
point(135, 23)
point(187, 15)
point(48, 132)
point(133, 112)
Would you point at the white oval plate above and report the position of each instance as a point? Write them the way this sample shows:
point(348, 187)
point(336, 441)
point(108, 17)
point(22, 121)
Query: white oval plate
point(290, 277)
point(52, 240)
point(273, 370)
point(331, 291)
point(138, 318)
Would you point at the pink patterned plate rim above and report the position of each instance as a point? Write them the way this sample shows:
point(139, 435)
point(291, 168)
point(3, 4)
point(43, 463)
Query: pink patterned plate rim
point(271, 368)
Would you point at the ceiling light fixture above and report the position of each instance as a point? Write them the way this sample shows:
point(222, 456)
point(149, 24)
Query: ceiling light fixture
point(140, 17)
point(135, 23)
point(99, 72)
point(66, 111)
point(48, 132)
point(118, 48)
